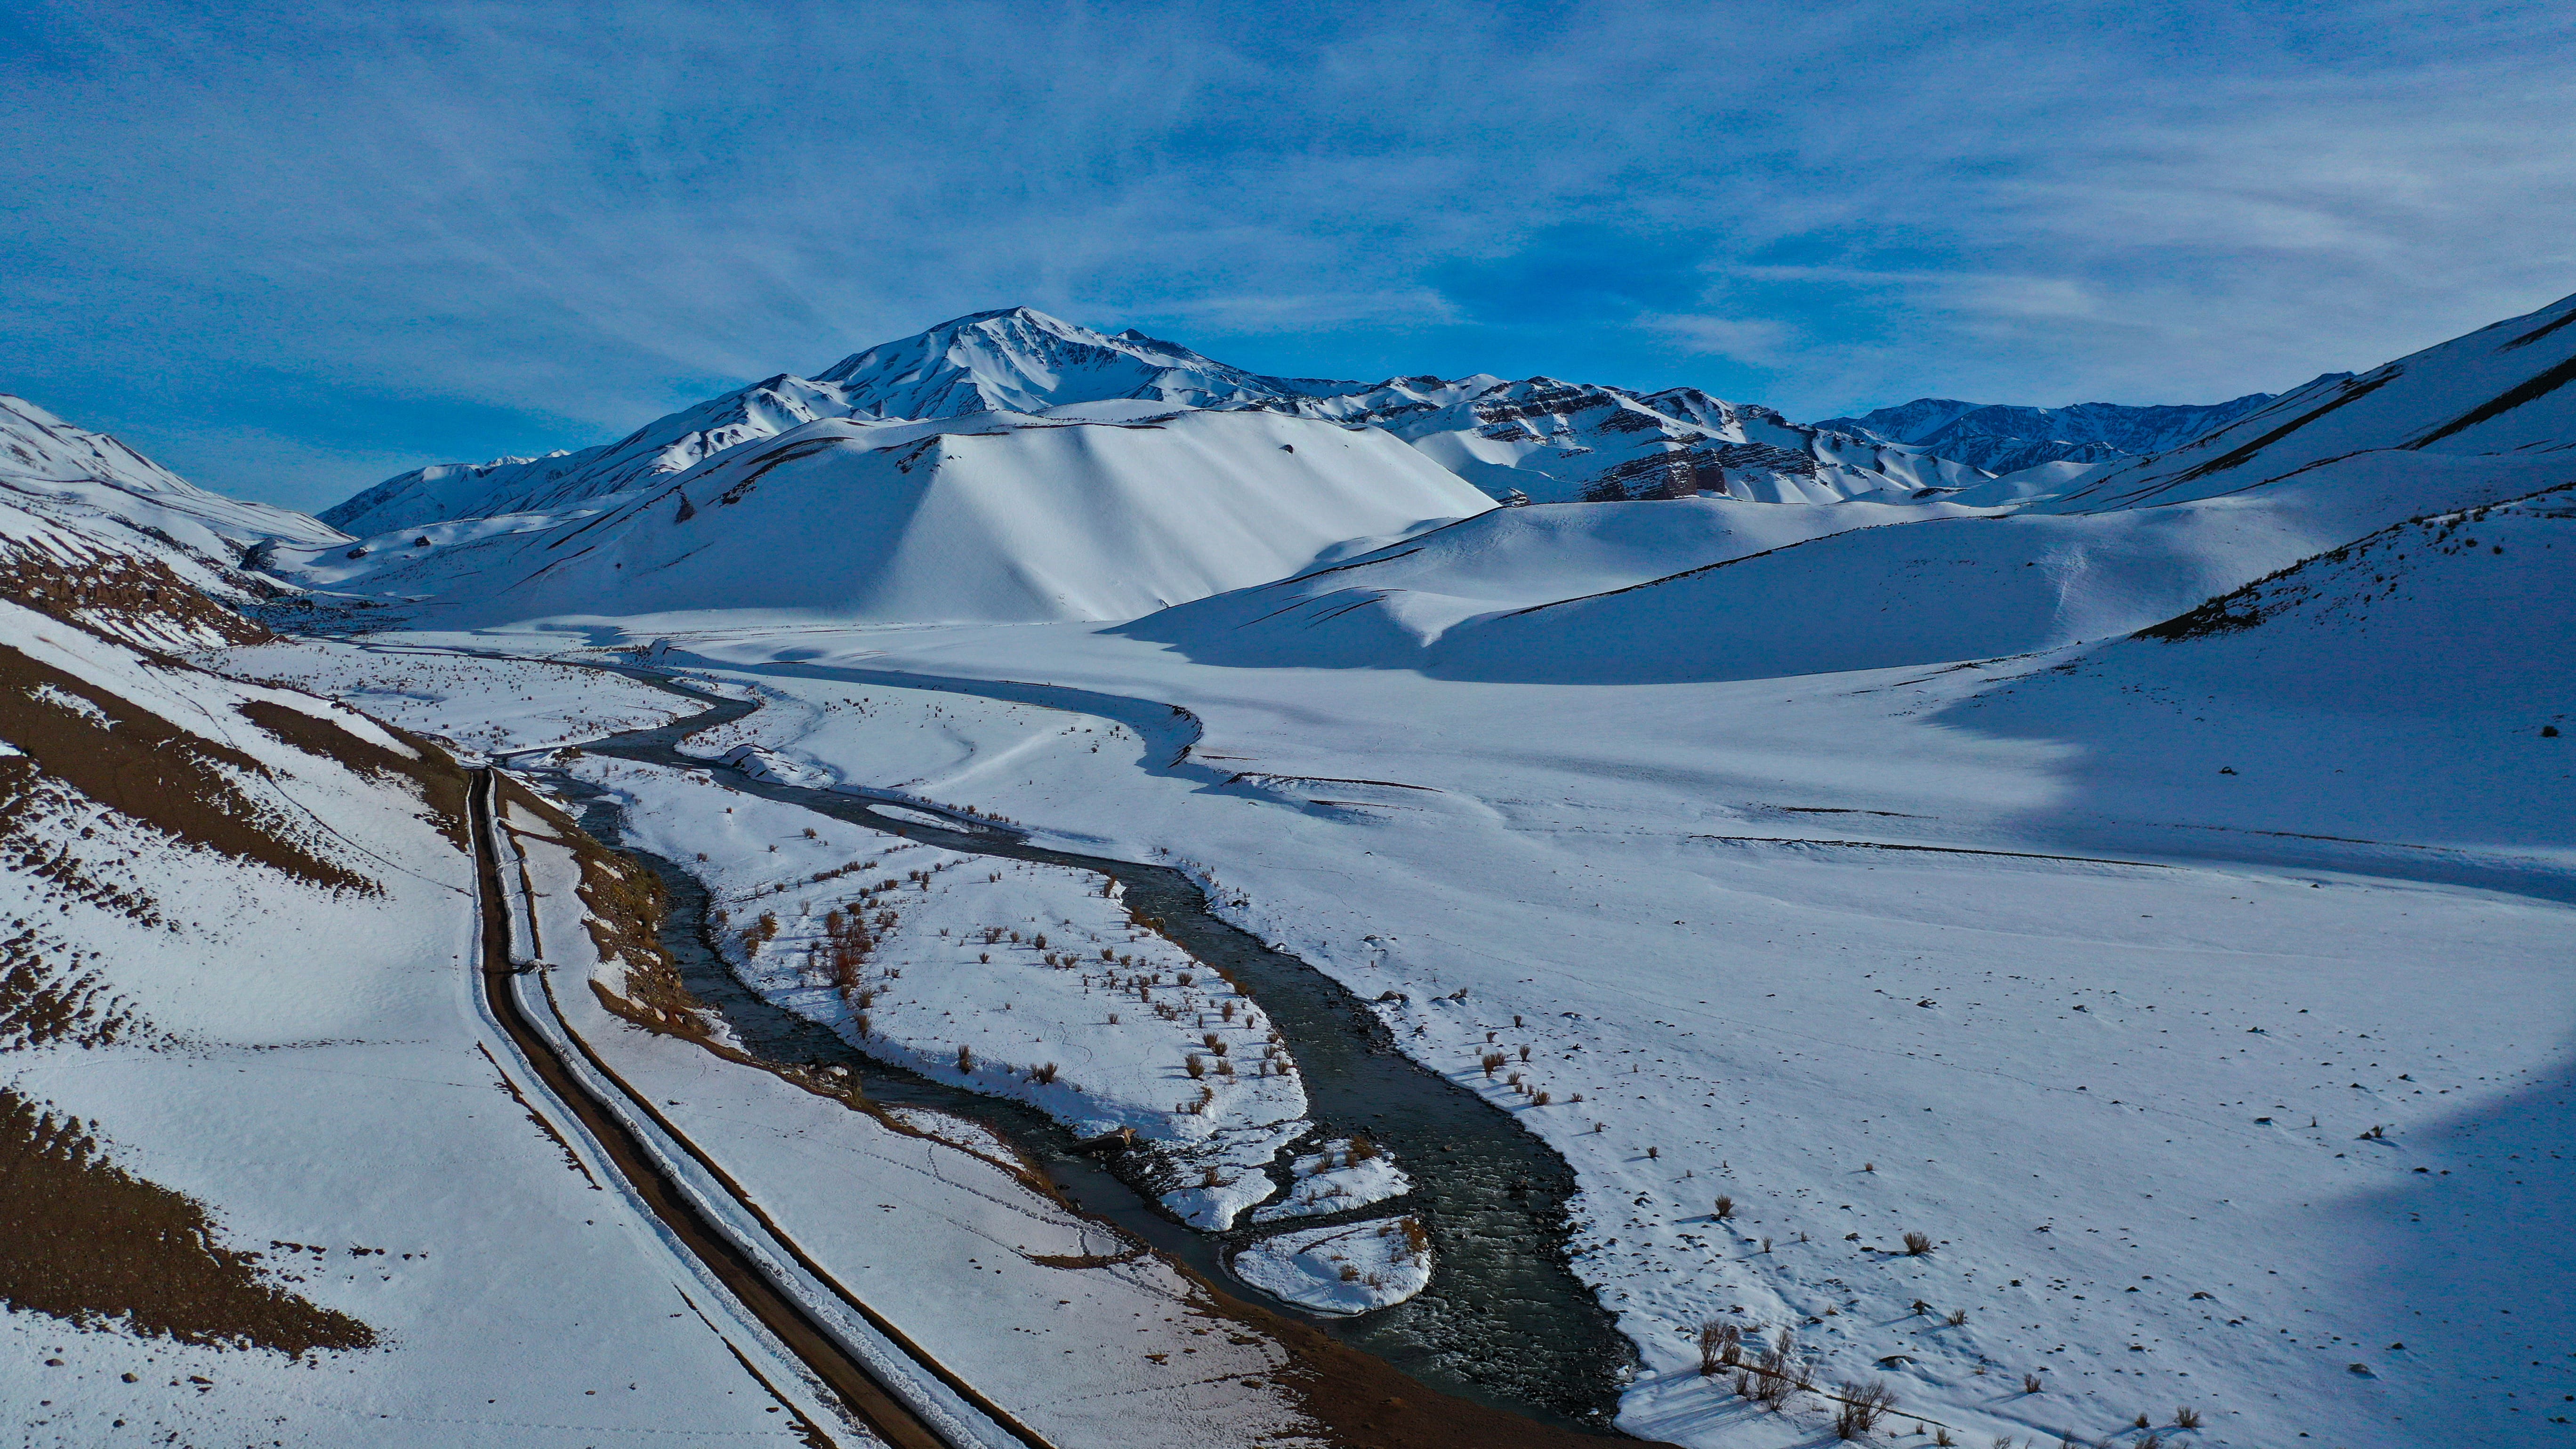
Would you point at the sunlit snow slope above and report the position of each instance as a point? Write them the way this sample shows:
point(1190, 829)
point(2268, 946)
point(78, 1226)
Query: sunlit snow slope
point(1018, 360)
point(2473, 422)
point(1384, 605)
point(996, 517)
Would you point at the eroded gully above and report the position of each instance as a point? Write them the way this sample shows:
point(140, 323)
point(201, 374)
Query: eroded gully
point(1504, 1321)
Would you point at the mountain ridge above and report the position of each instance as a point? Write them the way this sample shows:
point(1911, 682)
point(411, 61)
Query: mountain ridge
point(2006, 438)
point(1538, 438)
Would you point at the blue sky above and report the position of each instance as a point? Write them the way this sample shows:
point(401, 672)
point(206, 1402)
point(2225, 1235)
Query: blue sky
point(291, 249)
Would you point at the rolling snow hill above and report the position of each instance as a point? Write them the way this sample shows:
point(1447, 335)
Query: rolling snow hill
point(2467, 424)
point(2002, 439)
point(998, 516)
point(2501, 390)
point(1387, 604)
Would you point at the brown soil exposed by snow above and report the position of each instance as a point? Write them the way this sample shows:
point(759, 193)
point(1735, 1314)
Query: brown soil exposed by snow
point(95, 1245)
point(133, 597)
point(80, 737)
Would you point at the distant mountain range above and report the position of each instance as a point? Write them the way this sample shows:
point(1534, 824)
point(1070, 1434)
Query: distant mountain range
point(2004, 439)
point(1536, 438)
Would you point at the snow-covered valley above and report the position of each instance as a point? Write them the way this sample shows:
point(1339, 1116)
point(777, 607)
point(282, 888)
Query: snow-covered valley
point(2084, 952)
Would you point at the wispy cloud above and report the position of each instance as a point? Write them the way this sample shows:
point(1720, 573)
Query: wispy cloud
point(376, 233)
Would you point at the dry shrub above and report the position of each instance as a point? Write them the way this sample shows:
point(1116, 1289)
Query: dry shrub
point(1918, 1244)
point(1719, 1345)
point(1860, 1408)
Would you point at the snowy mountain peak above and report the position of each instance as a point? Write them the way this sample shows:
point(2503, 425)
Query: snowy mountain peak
point(1022, 360)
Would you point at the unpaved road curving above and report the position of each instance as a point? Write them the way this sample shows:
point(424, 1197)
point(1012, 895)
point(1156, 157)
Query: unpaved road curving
point(867, 1399)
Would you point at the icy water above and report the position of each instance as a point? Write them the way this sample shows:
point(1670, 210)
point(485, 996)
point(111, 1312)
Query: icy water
point(1504, 1321)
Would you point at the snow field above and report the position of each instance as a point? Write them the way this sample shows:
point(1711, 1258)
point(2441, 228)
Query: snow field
point(1018, 980)
point(1353, 1268)
point(939, 748)
point(1698, 874)
point(483, 705)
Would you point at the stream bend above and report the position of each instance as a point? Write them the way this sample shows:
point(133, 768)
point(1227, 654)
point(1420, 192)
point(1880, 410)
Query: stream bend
point(1504, 1321)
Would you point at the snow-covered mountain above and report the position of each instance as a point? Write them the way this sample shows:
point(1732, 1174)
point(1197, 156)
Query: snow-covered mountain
point(993, 516)
point(2005, 439)
point(1552, 442)
point(1017, 359)
point(94, 531)
point(2468, 424)
point(1536, 438)
point(2500, 391)
point(1022, 360)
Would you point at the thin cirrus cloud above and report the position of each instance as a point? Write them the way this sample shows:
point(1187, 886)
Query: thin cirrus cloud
point(291, 249)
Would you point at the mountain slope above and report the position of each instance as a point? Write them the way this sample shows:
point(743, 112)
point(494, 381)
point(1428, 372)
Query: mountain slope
point(1385, 605)
point(2002, 439)
point(272, 1175)
point(1973, 585)
point(92, 530)
point(1553, 442)
point(2400, 688)
point(2501, 389)
point(1536, 438)
point(998, 516)
point(1017, 359)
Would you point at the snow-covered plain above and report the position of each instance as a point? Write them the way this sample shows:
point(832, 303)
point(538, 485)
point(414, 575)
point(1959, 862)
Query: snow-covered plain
point(1883, 952)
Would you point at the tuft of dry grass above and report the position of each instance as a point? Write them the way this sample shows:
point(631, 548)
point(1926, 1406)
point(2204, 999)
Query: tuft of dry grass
point(1918, 1244)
